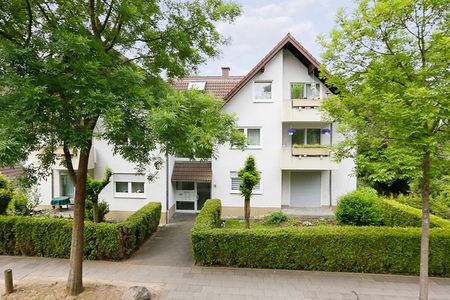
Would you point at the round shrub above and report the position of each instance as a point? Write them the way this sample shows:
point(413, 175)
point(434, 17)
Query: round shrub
point(359, 208)
point(276, 218)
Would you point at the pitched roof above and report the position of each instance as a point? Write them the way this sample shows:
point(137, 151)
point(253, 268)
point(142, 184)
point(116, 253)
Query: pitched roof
point(219, 86)
point(289, 43)
point(192, 171)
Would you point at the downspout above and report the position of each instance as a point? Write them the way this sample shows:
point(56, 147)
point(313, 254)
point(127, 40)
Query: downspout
point(331, 172)
point(167, 188)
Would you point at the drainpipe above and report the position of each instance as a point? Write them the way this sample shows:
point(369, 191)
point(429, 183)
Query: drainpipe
point(167, 188)
point(331, 172)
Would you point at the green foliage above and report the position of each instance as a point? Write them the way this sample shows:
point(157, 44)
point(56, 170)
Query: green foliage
point(397, 214)
point(438, 204)
point(50, 237)
point(23, 202)
point(394, 95)
point(103, 209)
point(297, 90)
point(359, 208)
point(276, 218)
point(249, 176)
point(209, 216)
point(322, 248)
point(6, 194)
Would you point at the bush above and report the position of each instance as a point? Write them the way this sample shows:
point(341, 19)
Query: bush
point(103, 209)
point(276, 218)
point(438, 204)
point(6, 194)
point(51, 237)
point(397, 214)
point(322, 248)
point(359, 208)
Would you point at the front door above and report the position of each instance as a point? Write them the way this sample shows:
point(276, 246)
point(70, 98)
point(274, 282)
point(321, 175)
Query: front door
point(203, 193)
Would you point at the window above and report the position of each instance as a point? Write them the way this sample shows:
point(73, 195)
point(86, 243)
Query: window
point(306, 136)
point(184, 186)
point(303, 90)
point(129, 185)
point(197, 85)
point(67, 188)
point(253, 136)
point(263, 90)
point(236, 183)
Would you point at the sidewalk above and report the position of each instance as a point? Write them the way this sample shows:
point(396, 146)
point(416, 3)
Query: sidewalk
point(230, 283)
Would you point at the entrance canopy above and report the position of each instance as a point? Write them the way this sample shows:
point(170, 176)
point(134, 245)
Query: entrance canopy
point(192, 171)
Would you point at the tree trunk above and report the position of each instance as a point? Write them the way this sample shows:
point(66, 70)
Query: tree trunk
point(95, 211)
point(424, 245)
point(75, 280)
point(247, 213)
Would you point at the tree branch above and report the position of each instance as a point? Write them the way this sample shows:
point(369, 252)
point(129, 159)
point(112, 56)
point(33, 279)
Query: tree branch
point(30, 23)
point(108, 14)
point(93, 18)
point(117, 27)
point(69, 165)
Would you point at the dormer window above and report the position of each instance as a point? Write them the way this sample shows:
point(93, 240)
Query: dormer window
point(263, 90)
point(197, 85)
point(304, 90)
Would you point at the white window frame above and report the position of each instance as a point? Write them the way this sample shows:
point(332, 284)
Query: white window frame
point(304, 89)
point(234, 174)
point(129, 194)
point(271, 91)
point(245, 129)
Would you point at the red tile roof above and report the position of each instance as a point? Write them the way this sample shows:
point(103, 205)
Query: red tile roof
point(219, 86)
point(11, 172)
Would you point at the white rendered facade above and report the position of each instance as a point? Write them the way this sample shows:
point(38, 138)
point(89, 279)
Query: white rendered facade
point(300, 176)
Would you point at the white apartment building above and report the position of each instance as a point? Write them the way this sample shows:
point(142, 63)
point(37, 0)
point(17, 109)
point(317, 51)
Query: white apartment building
point(276, 105)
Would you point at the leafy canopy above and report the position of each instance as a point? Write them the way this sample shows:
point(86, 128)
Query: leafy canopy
point(249, 176)
point(74, 70)
point(389, 62)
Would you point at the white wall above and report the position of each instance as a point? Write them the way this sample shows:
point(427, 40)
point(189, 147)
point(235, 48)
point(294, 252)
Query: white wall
point(268, 117)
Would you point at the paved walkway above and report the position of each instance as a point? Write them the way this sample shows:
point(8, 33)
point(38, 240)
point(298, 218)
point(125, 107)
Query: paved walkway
point(166, 259)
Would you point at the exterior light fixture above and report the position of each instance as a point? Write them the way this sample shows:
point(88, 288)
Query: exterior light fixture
point(326, 131)
point(291, 131)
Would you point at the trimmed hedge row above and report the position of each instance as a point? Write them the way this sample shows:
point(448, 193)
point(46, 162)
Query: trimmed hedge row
point(51, 237)
point(396, 214)
point(327, 248)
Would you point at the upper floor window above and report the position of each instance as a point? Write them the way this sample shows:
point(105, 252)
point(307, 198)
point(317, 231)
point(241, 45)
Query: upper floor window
point(253, 137)
point(197, 85)
point(263, 90)
point(303, 90)
point(306, 136)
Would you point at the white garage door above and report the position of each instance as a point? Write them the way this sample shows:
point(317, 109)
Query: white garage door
point(305, 189)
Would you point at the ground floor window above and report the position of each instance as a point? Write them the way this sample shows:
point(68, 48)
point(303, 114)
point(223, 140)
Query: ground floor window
point(129, 185)
point(236, 183)
point(67, 187)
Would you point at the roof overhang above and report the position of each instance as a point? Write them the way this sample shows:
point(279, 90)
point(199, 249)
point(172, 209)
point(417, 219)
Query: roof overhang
point(192, 171)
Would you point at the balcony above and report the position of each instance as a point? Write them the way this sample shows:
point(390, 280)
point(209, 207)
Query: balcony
point(301, 110)
point(307, 158)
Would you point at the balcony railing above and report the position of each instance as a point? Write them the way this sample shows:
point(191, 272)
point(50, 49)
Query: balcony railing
point(311, 150)
point(298, 158)
point(305, 103)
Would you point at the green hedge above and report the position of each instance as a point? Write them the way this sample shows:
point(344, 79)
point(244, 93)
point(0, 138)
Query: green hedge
point(400, 215)
point(51, 237)
point(324, 248)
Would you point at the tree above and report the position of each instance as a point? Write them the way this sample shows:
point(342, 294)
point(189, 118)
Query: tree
point(249, 176)
point(389, 62)
point(93, 189)
point(70, 70)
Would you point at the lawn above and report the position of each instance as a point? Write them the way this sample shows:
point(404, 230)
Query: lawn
point(290, 221)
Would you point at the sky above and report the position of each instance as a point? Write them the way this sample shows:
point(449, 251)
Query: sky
point(263, 23)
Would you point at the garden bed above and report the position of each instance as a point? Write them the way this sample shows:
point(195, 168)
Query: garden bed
point(374, 249)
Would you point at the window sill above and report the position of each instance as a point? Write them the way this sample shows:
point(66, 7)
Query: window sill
point(134, 196)
point(254, 193)
point(263, 101)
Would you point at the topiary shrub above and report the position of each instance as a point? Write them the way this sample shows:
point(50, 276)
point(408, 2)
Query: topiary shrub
point(359, 208)
point(276, 218)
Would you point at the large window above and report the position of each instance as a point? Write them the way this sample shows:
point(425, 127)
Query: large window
point(306, 136)
point(253, 137)
point(303, 90)
point(67, 187)
point(263, 91)
point(236, 183)
point(129, 185)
